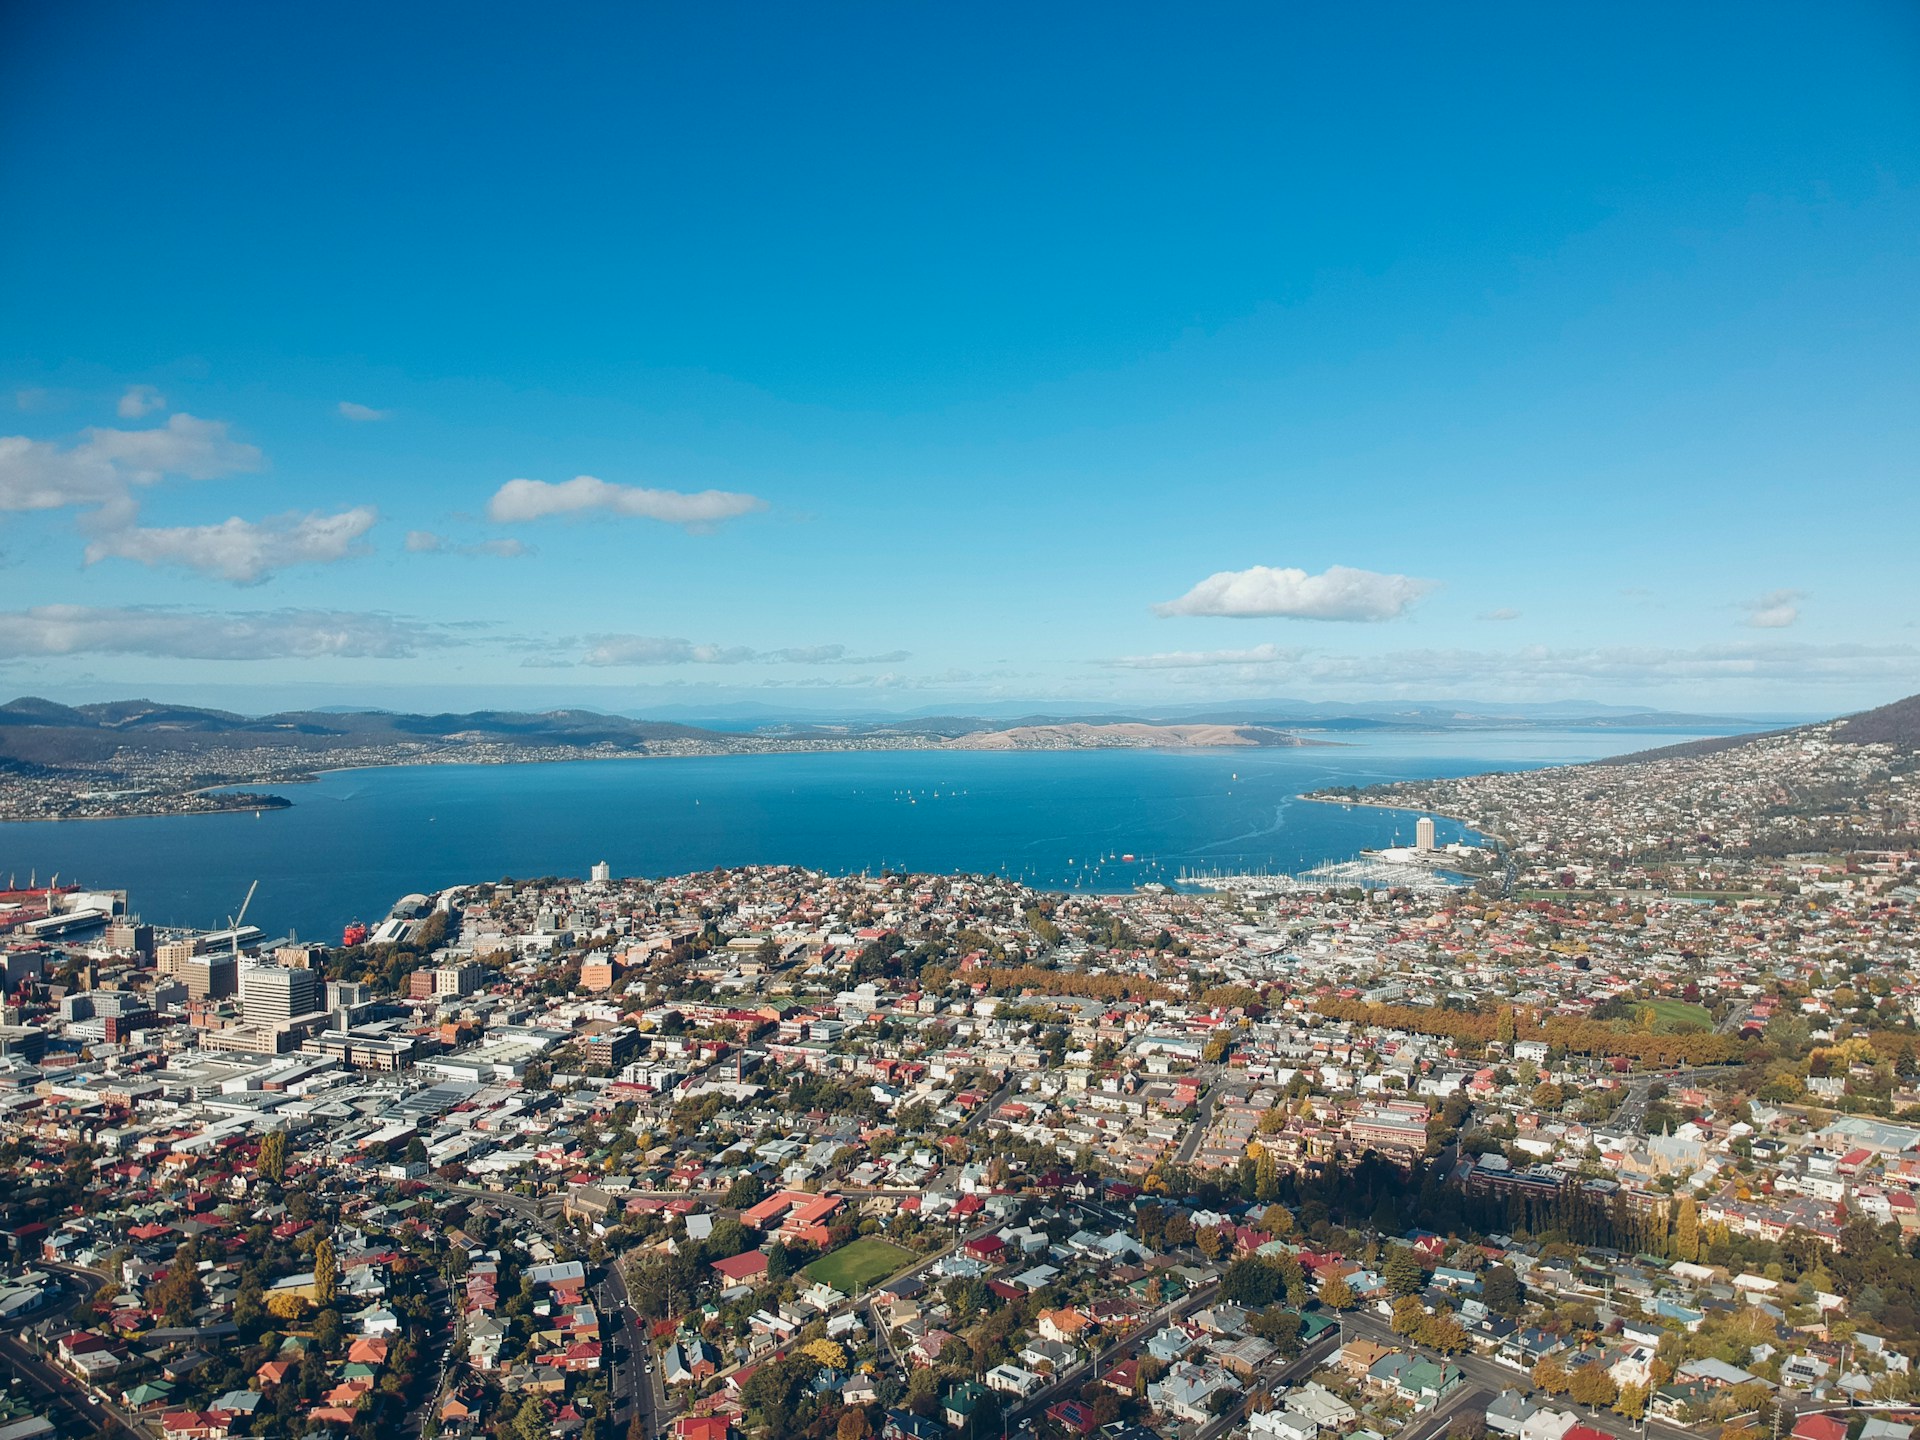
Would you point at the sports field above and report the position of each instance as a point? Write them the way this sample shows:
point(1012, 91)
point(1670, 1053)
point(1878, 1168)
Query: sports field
point(856, 1265)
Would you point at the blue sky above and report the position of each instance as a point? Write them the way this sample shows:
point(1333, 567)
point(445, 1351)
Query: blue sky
point(941, 355)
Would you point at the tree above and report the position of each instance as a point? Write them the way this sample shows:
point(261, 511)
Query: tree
point(272, 1164)
point(1336, 1294)
point(1212, 1242)
point(1592, 1386)
point(828, 1352)
point(1503, 1027)
point(531, 1422)
point(1632, 1402)
point(1408, 1315)
point(326, 1275)
point(1500, 1290)
point(1278, 1326)
point(1443, 1333)
point(1550, 1375)
point(853, 1424)
point(285, 1305)
point(1686, 1229)
point(1402, 1272)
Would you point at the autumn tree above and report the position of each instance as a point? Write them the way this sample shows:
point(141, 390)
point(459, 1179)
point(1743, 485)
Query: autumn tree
point(1408, 1315)
point(326, 1274)
point(1685, 1239)
point(272, 1164)
point(1550, 1375)
point(1632, 1401)
point(1591, 1386)
point(1336, 1294)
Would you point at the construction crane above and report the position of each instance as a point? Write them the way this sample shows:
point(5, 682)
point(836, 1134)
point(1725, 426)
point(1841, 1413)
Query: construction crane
point(233, 925)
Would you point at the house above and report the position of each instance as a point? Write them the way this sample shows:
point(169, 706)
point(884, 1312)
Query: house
point(1012, 1380)
point(701, 1427)
point(1064, 1325)
point(905, 1425)
point(688, 1362)
point(746, 1268)
point(1426, 1381)
point(1546, 1424)
point(1072, 1416)
point(1508, 1411)
point(960, 1402)
point(1820, 1427)
point(1281, 1425)
point(1188, 1389)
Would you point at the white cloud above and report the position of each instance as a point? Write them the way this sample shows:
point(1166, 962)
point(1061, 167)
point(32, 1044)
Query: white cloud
point(1775, 610)
point(1339, 593)
point(664, 650)
point(105, 463)
point(140, 401)
point(519, 500)
point(829, 655)
point(243, 551)
point(361, 414)
point(1208, 659)
point(1503, 614)
point(47, 630)
point(426, 542)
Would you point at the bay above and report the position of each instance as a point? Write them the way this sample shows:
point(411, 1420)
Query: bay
point(355, 841)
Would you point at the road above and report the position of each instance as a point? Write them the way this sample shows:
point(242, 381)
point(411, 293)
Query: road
point(1069, 1382)
point(1201, 1120)
point(56, 1390)
point(1632, 1112)
point(1491, 1375)
point(1303, 1365)
point(437, 1339)
point(635, 1380)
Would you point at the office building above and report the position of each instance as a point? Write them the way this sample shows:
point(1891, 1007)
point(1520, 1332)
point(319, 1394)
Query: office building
point(270, 994)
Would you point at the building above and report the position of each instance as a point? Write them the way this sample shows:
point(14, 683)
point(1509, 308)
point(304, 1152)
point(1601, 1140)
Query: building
point(129, 936)
point(1423, 833)
point(211, 977)
point(612, 1048)
point(172, 955)
point(602, 873)
point(456, 980)
point(272, 993)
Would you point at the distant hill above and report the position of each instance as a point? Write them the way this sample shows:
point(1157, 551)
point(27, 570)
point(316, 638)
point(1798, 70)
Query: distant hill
point(40, 732)
point(1897, 724)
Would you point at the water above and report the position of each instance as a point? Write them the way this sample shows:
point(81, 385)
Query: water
point(355, 841)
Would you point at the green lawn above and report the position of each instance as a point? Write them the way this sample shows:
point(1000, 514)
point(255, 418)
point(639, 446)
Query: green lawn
point(1667, 1014)
point(856, 1265)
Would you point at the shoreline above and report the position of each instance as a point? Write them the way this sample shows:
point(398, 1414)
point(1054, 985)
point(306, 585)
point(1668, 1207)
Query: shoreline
point(1460, 820)
point(310, 777)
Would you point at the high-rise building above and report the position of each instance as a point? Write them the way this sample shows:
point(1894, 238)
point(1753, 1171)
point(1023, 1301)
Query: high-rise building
point(1423, 833)
point(211, 977)
point(602, 873)
point(272, 993)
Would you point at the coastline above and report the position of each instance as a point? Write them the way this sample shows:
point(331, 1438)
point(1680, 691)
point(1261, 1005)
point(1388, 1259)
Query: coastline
point(1460, 820)
point(768, 747)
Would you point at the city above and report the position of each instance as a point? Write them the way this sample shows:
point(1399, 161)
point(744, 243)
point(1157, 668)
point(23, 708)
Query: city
point(767, 1151)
